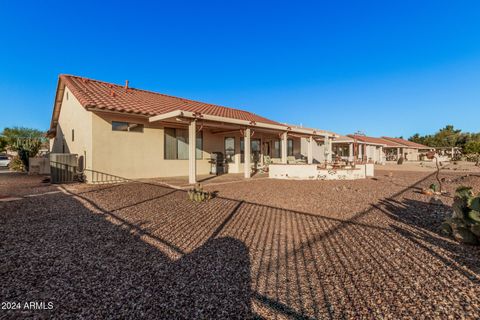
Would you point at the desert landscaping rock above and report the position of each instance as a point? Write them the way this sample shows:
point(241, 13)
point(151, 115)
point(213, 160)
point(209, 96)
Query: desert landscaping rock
point(260, 249)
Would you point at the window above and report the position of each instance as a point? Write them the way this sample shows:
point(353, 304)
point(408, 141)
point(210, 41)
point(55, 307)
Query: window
point(176, 144)
point(242, 150)
point(289, 147)
point(254, 150)
point(73, 135)
point(126, 126)
point(199, 146)
point(276, 149)
point(230, 149)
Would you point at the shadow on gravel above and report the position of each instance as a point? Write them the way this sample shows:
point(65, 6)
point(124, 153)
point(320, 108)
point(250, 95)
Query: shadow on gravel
point(425, 219)
point(143, 250)
point(62, 252)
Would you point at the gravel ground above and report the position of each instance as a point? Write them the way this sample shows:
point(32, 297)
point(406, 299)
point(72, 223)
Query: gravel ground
point(261, 249)
point(21, 184)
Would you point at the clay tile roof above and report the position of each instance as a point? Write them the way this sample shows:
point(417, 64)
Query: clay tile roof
point(407, 143)
point(373, 140)
point(112, 97)
point(343, 139)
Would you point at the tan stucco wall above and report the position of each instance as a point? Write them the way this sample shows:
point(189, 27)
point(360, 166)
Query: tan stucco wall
point(73, 116)
point(141, 155)
point(412, 154)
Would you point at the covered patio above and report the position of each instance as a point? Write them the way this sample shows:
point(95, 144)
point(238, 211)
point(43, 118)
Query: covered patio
point(247, 146)
point(358, 149)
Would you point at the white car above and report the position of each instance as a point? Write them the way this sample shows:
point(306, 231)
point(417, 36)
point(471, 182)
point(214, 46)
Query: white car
point(4, 161)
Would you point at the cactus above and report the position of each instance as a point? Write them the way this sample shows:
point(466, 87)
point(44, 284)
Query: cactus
point(26, 148)
point(198, 195)
point(464, 225)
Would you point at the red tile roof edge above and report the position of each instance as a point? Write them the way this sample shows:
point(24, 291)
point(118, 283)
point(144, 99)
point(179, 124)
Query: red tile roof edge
point(373, 140)
point(86, 101)
point(407, 143)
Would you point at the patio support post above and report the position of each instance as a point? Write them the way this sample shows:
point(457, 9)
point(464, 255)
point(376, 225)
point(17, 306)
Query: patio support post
point(398, 153)
point(284, 147)
point(381, 155)
point(350, 151)
point(192, 168)
point(360, 152)
point(310, 150)
point(247, 146)
point(328, 148)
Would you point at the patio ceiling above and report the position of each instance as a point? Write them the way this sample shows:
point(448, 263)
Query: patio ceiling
point(224, 123)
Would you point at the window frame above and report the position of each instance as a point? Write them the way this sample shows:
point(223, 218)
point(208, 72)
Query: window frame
point(242, 149)
point(129, 126)
point(225, 149)
point(198, 149)
point(290, 152)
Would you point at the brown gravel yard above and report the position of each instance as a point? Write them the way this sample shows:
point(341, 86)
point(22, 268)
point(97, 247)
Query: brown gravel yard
point(261, 249)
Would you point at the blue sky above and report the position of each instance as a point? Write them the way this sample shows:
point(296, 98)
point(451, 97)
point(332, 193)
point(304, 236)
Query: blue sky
point(381, 67)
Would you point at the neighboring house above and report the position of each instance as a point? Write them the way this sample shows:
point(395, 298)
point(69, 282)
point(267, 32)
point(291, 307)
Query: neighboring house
point(132, 133)
point(410, 151)
point(356, 147)
point(377, 150)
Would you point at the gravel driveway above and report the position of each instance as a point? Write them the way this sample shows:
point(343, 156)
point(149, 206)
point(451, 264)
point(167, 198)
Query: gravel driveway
point(262, 249)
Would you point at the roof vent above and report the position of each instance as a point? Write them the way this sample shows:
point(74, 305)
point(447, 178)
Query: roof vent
point(126, 85)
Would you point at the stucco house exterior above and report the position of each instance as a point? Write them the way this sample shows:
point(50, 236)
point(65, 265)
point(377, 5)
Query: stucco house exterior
point(410, 151)
point(359, 148)
point(356, 147)
point(132, 133)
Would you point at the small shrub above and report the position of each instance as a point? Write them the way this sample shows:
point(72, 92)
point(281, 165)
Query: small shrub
point(198, 195)
point(16, 164)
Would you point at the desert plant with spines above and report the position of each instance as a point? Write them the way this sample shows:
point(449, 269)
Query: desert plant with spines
point(198, 195)
point(464, 225)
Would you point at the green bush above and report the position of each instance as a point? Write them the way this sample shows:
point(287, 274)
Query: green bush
point(16, 164)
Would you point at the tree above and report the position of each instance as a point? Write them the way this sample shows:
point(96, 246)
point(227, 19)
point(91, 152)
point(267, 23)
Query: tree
point(25, 141)
point(473, 147)
point(14, 133)
point(3, 144)
point(448, 137)
point(417, 138)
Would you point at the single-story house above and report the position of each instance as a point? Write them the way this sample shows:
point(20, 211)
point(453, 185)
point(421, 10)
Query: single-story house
point(411, 151)
point(132, 133)
point(359, 148)
point(377, 150)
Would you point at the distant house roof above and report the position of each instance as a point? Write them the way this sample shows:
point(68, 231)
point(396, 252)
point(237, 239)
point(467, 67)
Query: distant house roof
point(373, 140)
point(407, 143)
point(343, 139)
point(103, 96)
